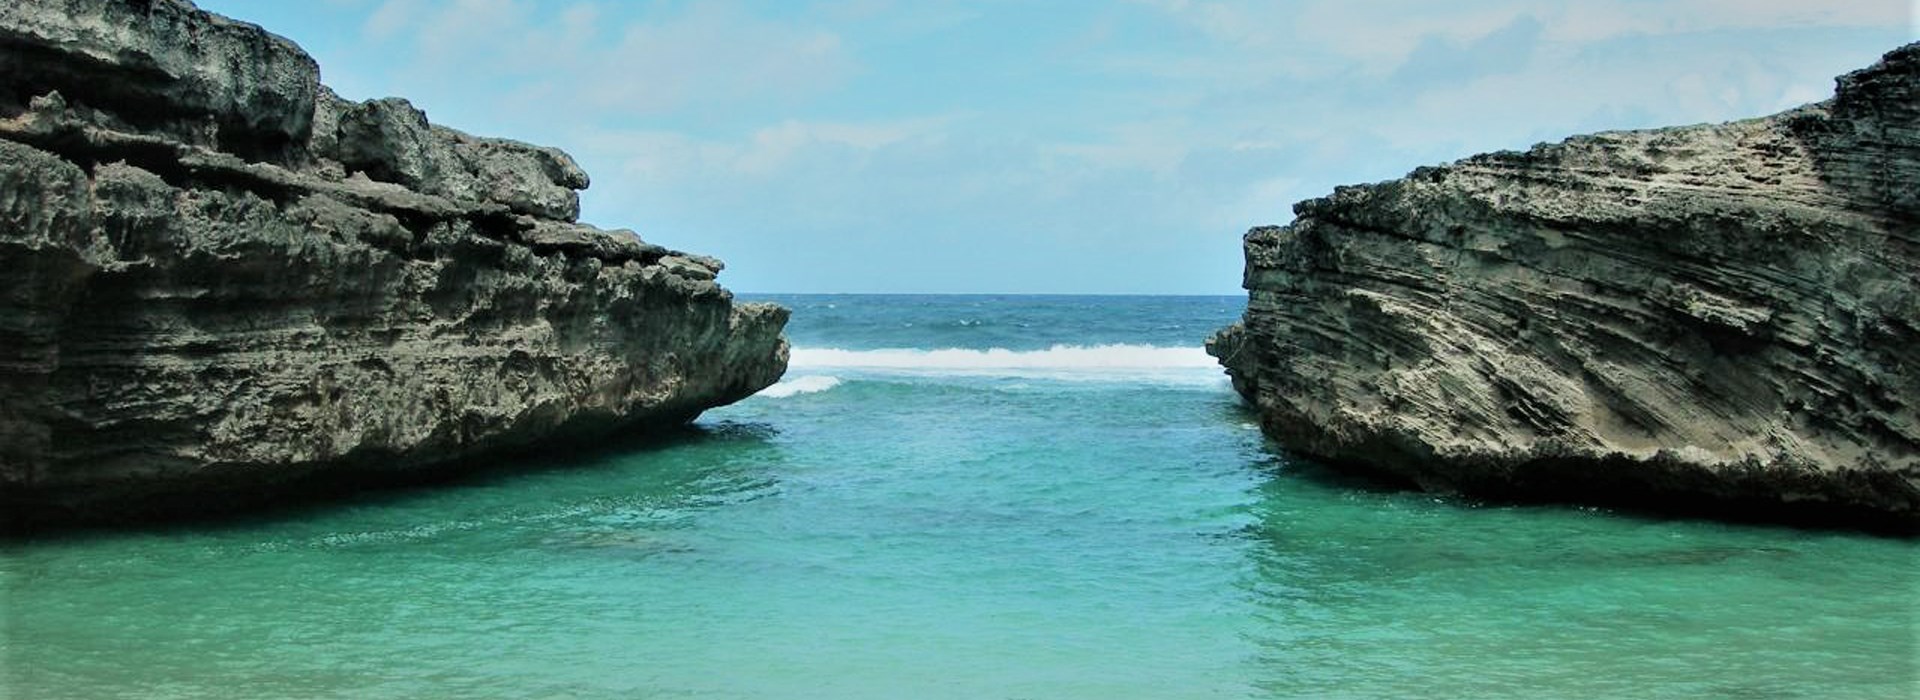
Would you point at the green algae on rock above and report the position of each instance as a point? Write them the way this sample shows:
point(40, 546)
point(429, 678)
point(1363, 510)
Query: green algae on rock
point(217, 278)
point(1716, 318)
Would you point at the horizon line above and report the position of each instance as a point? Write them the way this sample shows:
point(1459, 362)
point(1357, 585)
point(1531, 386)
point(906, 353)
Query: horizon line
point(1241, 293)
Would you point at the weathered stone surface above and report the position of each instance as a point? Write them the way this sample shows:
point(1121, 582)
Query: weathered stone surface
point(217, 278)
point(390, 141)
point(163, 67)
point(1719, 318)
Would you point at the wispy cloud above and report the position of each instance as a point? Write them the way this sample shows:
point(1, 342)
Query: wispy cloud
point(1587, 22)
point(662, 156)
point(999, 145)
point(391, 17)
point(578, 62)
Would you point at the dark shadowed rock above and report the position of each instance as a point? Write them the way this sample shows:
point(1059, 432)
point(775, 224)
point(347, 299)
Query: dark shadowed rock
point(218, 279)
point(165, 68)
point(1717, 318)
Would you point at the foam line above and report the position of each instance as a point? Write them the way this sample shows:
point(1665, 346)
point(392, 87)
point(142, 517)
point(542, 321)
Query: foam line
point(1156, 364)
point(1058, 357)
point(799, 385)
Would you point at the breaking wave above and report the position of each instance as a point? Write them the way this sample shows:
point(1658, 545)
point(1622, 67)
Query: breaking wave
point(799, 385)
point(1059, 361)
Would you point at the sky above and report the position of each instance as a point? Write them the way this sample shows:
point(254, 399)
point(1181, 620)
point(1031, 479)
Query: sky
point(1065, 146)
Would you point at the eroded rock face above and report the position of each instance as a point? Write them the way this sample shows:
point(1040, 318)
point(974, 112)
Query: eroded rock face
point(217, 278)
point(1718, 318)
point(162, 67)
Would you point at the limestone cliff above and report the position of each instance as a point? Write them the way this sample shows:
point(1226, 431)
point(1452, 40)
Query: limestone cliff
point(1718, 318)
point(218, 278)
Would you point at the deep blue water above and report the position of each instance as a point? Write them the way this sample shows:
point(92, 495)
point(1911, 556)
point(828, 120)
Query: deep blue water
point(868, 322)
point(960, 497)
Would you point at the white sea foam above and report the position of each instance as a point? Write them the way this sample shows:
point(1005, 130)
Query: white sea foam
point(800, 385)
point(1060, 361)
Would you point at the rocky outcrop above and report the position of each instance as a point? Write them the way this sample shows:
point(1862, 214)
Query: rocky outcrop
point(218, 279)
point(1714, 318)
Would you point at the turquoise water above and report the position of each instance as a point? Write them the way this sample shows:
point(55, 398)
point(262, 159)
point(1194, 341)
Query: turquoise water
point(911, 514)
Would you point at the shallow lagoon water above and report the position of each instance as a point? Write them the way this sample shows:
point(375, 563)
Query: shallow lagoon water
point(1034, 523)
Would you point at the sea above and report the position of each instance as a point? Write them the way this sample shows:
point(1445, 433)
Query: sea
point(968, 497)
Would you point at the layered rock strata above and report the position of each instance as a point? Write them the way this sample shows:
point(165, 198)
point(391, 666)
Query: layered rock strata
point(217, 278)
point(1715, 318)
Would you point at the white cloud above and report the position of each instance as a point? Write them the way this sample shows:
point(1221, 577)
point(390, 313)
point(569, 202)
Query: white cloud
point(765, 152)
point(1378, 36)
point(1320, 36)
point(772, 148)
point(1425, 77)
point(1158, 148)
point(754, 133)
point(1591, 21)
point(388, 19)
point(714, 53)
point(574, 63)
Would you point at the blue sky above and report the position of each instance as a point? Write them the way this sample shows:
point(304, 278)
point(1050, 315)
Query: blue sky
point(1020, 146)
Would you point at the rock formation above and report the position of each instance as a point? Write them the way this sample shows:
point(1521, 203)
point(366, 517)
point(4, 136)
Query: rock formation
point(1718, 318)
point(218, 279)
